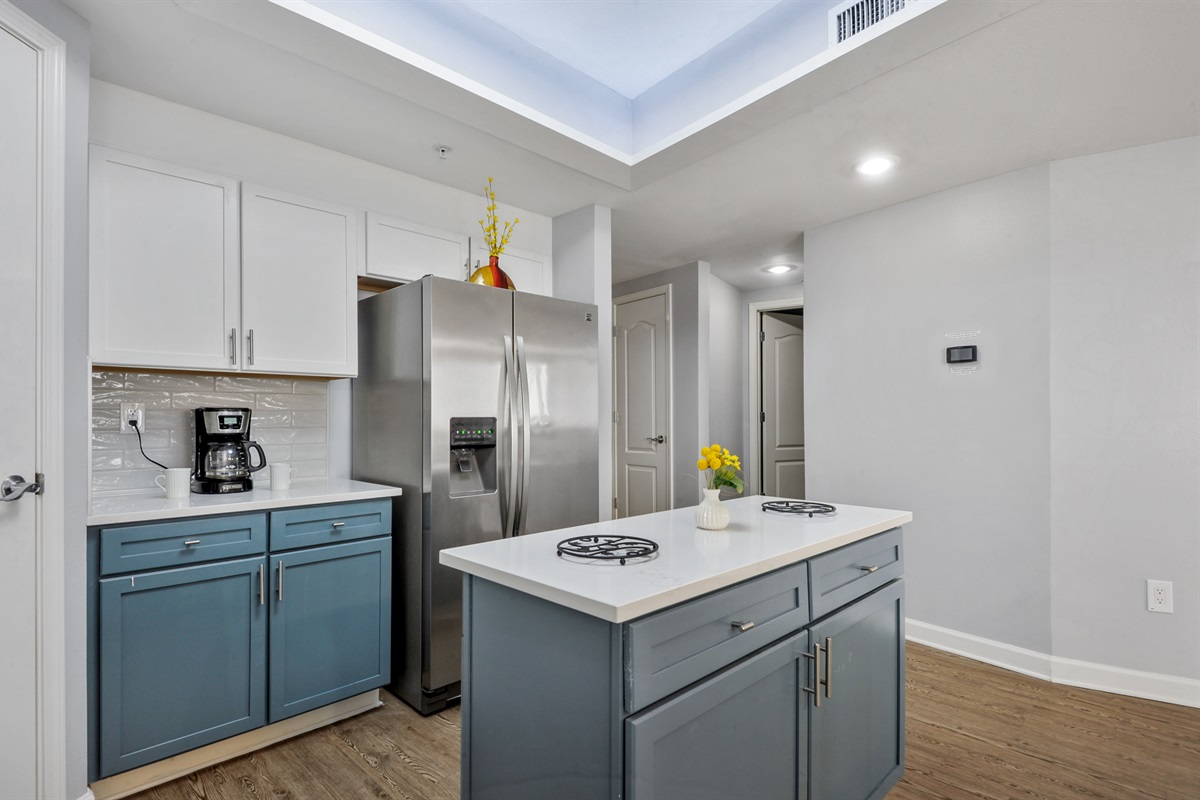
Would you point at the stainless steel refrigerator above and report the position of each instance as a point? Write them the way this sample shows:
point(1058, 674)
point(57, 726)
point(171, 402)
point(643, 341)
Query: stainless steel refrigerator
point(481, 403)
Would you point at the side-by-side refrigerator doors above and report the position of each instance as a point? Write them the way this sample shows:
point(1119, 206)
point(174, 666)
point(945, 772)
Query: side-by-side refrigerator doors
point(467, 332)
point(556, 352)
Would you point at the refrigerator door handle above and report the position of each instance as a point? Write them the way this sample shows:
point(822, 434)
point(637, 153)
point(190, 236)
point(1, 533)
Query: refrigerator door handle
point(510, 400)
point(523, 379)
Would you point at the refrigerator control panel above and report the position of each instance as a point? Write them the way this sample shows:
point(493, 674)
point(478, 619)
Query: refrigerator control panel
point(472, 432)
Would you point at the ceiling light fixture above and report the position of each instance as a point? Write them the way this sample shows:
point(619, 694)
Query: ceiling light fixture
point(779, 269)
point(875, 165)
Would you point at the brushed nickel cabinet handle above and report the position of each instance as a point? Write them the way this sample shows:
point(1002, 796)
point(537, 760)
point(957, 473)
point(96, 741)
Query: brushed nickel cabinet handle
point(250, 347)
point(828, 667)
point(279, 582)
point(815, 691)
point(339, 525)
point(232, 346)
point(868, 569)
point(742, 626)
point(191, 542)
point(262, 584)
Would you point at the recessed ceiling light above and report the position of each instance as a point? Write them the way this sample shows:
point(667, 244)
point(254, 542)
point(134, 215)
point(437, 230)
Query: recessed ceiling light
point(779, 269)
point(876, 165)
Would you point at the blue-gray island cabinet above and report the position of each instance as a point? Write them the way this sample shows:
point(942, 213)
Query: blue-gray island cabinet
point(762, 661)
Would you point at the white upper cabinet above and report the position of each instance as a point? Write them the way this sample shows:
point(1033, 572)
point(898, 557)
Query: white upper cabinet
point(298, 284)
point(164, 264)
point(530, 271)
point(405, 251)
point(169, 290)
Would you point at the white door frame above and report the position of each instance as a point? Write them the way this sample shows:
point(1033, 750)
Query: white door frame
point(622, 300)
point(49, 522)
point(754, 388)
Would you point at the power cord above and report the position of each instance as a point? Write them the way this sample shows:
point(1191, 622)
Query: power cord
point(136, 429)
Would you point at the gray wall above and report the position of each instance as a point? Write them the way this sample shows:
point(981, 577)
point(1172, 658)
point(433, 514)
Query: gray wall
point(1050, 483)
point(690, 369)
point(887, 423)
point(1125, 404)
point(73, 30)
point(726, 356)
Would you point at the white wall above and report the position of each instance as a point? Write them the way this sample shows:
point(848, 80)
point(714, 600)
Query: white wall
point(1048, 485)
point(726, 356)
point(888, 425)
point(1125, 405)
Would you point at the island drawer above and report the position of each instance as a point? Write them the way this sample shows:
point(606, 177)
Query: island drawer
point(671, 649)
point(841, 576)
point(330, 524)
point(135, 548)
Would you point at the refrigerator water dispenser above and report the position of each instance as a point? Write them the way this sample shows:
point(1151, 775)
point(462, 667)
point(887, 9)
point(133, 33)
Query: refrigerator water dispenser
point(472, 456)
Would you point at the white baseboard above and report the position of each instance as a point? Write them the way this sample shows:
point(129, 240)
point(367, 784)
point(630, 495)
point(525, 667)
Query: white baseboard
point(87, 795)
point(1067, 671)
point(142, 778)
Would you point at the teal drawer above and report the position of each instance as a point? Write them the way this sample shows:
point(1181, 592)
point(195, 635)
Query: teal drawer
point(841, 576)
point(671, 649)
point(179, 543)
point(316, 525)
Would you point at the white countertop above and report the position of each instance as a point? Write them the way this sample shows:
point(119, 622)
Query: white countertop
point(117, 509)
point(690, 562)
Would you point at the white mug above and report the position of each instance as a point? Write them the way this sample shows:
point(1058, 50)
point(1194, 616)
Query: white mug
point(176, 482)
point(281, 476)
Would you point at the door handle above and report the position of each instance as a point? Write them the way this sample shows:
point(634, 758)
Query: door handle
point(659, 439)
point(14, 487)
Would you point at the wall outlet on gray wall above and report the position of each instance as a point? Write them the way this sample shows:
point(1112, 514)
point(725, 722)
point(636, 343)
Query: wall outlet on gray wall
point(1158, 597)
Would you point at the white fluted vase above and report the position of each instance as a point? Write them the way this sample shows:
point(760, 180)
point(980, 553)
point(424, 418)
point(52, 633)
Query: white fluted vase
point(711, 514)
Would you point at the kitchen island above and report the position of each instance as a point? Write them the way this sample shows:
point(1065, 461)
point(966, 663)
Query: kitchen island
point(765, 660)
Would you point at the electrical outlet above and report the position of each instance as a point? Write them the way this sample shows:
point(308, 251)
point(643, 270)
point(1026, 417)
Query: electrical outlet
point(135, 412)
point(1158, 597)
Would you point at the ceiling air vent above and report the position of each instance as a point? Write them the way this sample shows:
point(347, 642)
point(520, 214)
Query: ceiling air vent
point(856, 16)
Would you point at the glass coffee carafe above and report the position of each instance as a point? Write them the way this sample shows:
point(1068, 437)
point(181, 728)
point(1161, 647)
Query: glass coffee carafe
point(228, 460)
point(223, 448)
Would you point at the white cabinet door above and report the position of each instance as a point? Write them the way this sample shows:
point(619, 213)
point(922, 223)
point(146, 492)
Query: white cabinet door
point(405, 251)
point(164, 264)
point(530, 271)
point(298, 284)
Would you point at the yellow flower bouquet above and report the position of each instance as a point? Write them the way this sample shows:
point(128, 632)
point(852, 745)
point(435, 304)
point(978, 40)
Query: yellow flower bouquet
point(494, 236)
point(720, 468)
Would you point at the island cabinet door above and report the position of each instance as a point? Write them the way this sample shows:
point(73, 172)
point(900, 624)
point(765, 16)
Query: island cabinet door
point(857, 733)
point(330, 630)
point(182, 662)
point(741, 733)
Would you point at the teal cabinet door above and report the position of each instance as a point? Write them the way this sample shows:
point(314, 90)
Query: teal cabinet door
point(182, 661)
point(330, 629)
point(857, 733)
point(740, 734)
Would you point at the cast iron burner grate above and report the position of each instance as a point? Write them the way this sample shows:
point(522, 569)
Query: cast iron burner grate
point(800, 507)
point(607, 547)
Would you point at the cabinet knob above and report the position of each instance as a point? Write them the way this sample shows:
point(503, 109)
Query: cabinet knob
point(742, 626)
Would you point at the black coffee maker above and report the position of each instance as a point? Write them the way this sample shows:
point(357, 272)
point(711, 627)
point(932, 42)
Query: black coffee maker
point(223, 448)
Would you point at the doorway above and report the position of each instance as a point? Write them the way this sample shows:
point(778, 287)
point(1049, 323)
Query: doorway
point(793, 401)
point(642, 433)
point(781, 402)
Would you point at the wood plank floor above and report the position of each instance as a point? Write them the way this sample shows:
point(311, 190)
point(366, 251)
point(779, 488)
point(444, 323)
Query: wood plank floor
point(974, 731)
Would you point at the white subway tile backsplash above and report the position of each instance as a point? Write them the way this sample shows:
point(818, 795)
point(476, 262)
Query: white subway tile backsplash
point(289, 418)
point(295, 402)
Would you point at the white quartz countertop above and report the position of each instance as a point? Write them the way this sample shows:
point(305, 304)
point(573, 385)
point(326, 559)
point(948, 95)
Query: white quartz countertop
point(117, 509)
point(689, 563)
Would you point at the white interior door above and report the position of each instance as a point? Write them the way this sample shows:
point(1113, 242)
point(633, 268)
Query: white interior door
point(18, 401)
point(642, 381)
point(782, 413)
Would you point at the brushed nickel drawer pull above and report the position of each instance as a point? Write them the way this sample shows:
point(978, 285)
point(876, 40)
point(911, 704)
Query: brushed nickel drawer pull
point(191, 542)
point(262, 586)
point(868, 569)
point(828, 667)
point(280, 586)
point(742, 626)
point(815, 655)
point(339, 524)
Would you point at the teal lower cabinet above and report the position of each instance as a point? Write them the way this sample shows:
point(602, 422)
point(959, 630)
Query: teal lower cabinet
point(740, 734)
point(181, 657)
point(330, 627)
point(183, 662)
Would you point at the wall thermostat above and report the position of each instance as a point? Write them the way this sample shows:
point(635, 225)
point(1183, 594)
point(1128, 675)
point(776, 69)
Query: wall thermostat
point(962, 355)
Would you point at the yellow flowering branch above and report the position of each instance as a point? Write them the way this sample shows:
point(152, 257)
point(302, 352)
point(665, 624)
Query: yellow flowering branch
point(493, 235)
